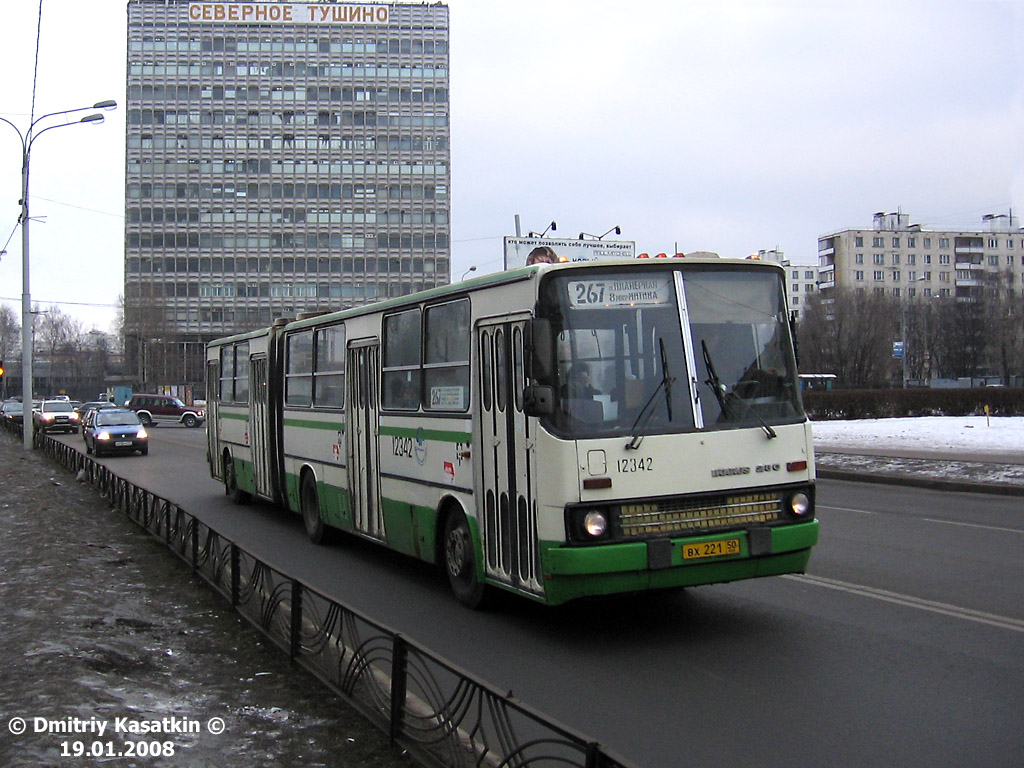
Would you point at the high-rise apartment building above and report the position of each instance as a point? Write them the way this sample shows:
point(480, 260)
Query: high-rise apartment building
point(281, 158)
point(906, 261)
point(801, 280)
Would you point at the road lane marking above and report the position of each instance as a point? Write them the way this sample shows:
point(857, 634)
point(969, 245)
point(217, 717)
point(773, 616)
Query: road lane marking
point(980, 617)
point(973, 525)
point(847, 509)
point(926, 519)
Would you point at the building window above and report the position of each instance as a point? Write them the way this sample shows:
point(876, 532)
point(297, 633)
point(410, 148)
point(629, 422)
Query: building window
point(943, 242)
point(879, 276)
point(895, 259)
point(858, 241)
point(895, 242)
point(858, 275)
point(858, 259)
point(878, 242)
point(927, 242)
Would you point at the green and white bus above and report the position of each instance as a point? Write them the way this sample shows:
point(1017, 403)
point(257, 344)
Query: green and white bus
point(558, 431)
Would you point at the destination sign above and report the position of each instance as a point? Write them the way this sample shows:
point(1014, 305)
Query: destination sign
point(611, 294)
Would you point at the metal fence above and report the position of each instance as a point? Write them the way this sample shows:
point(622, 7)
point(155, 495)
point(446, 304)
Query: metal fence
point(441, 714)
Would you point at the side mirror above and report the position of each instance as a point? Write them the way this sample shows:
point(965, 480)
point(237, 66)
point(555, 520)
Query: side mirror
point(538, 400)
point(539, 358)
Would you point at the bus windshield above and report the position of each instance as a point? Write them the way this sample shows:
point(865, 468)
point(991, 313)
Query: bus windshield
point(669, 351)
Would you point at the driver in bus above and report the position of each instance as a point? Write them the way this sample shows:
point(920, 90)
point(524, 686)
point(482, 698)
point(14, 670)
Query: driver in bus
point(578, 384)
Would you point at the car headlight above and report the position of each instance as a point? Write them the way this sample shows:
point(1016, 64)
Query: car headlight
point(104, 435)
point(142, 434)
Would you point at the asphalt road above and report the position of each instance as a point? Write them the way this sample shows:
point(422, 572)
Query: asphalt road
point(901, 647)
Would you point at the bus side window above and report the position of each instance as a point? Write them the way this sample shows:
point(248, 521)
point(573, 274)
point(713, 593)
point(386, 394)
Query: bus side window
point(299, 374)
point(401, 368)
point(446, 367)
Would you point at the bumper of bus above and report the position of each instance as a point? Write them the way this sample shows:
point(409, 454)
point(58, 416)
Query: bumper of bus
point(572, 572)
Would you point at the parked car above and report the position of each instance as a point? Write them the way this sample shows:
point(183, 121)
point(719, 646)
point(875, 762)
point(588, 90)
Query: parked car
point(12, 412)
point(114, 430)
point(165, 409)
point(54, 416)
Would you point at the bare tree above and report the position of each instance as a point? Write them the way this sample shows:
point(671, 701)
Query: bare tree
point(60, 340)
point(10, 332)
point(849, 333)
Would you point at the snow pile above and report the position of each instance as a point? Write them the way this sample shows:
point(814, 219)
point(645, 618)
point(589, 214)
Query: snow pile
point(958, 434)
point(962, 449)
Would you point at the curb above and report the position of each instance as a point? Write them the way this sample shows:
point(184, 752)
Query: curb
point(963, 486)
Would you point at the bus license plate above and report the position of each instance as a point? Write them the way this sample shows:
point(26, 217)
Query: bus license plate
point(711, 549)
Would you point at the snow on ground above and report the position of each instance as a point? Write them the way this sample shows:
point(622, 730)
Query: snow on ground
point(960, 434)
point(963, 449)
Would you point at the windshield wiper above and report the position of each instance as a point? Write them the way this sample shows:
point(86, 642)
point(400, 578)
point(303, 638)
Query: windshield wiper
point(721, 393)
point(647, 411)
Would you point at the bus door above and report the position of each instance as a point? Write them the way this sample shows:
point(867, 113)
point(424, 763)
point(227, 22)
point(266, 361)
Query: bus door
point(258, 426)
point(361, 438)
point(212, 420)
point(508, 503)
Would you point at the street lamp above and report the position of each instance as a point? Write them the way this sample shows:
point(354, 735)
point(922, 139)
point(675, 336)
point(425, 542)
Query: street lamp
point(585, 235)
point(471, 269)
point(903, 323)
point(28, 138)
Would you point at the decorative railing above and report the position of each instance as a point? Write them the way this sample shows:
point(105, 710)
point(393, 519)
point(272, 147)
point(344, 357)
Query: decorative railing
point(441, 714)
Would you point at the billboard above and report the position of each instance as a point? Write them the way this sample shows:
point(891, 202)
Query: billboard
point(288, 13)
point(518, 249)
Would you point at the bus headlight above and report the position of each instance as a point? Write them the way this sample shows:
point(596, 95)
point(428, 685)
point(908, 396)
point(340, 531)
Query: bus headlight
point(800, 505)
point(595, 523)
point(588, 524)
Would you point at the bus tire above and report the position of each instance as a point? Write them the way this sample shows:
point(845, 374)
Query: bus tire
point(460, 561)
point(231, 482)
point(309, 501)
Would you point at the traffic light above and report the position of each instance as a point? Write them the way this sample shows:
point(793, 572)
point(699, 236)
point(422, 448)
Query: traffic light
point(1, 371)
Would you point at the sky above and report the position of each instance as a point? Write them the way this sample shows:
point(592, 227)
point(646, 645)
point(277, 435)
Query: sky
point(719, 125)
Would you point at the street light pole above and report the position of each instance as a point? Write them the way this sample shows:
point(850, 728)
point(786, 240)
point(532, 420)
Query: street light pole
point(27, 140)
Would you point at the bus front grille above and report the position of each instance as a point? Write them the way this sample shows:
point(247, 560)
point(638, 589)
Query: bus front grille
point(706, 513)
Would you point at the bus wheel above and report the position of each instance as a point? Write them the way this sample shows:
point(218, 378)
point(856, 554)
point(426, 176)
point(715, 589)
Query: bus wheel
point(310, 504)
point(231, 482)
point(460, 561)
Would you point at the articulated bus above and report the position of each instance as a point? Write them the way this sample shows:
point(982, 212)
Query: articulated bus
point(558, 430)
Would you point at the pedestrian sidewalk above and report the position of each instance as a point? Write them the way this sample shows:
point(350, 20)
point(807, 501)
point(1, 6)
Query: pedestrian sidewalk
point(103, 625)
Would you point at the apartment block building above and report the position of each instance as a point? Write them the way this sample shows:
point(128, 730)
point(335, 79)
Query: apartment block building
point(801, 280)
point(281, 158)
point(906, 261)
